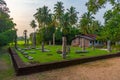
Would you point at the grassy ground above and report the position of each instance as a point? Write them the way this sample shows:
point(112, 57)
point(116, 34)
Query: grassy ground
point(107, 69)
point(69, 73)
point(6, 68)
point(44, 57)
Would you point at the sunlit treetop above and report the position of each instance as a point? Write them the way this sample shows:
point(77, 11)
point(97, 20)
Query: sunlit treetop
point(94, 5)
point(3, 7)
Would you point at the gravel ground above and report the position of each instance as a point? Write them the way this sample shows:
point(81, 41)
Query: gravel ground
point(108, 69)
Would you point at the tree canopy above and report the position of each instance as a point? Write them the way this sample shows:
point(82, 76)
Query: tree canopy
point(7, 30)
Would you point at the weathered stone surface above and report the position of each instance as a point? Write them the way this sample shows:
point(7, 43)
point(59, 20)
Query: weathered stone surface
point(26, 56)
point(30, 57)
point(47, 50)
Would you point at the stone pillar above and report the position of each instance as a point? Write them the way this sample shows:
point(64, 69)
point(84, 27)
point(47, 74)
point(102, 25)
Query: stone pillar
point(64, 45)
point(109, 45)
point(53, 38)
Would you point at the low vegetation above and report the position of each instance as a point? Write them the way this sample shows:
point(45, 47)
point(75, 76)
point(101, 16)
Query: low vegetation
point(52, 54)
point(6, 68)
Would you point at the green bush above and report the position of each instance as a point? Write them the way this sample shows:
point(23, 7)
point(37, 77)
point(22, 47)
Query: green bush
point(116, 47)
point(7, 37)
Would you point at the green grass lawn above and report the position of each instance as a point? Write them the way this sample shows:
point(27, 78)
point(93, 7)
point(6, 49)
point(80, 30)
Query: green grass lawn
point(6, 68)
point(44, 57)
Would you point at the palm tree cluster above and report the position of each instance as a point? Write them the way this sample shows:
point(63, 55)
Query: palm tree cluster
point(33, 25)
point(63, 20)
point(110, 31)
point(88, 24)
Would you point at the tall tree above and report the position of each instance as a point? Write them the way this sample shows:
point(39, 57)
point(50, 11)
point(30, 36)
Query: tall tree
point(25, 37)
point(94, 5)
point(94, 27)
point(43, 18)
point(73, 15)
point(54, 23)
point(110, 31)
point(112, 27)
point(59, 10)
point(65, 25)
point(6, 25)
point(85, 24)
point(33, 25)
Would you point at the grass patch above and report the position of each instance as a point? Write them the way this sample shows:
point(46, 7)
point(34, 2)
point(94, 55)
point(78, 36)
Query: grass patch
point(6, 68)
point(52, 56)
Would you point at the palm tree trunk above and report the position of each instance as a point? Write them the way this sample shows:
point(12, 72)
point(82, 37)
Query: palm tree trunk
point(43, 46)
point(64, 45)
point(53, 38)
point(109, 45)
point(25, 39)
point(33, 41)
point(34, 38)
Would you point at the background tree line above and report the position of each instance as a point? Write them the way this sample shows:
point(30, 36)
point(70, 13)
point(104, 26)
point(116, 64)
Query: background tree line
point(53, 26)
point(63, 23)
point(110, 31)
point(7, 30)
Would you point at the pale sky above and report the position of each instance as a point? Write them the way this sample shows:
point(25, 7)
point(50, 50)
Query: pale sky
point(22, 10)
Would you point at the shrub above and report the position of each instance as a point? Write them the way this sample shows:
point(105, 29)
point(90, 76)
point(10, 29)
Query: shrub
point(116, 47)
point(7, 37)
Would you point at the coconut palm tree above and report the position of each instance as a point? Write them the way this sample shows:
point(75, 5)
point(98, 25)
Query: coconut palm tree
point(72, 15)
point(59, 11)
point(65, 25)
point(55, 24)
point(33, 25)
point(94, 5)
point(94, 29)
point(85, 24)
point(25, 36)
point(43, 18)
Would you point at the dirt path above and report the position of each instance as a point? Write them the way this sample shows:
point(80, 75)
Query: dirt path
point(100, 70)
point(3, 65)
